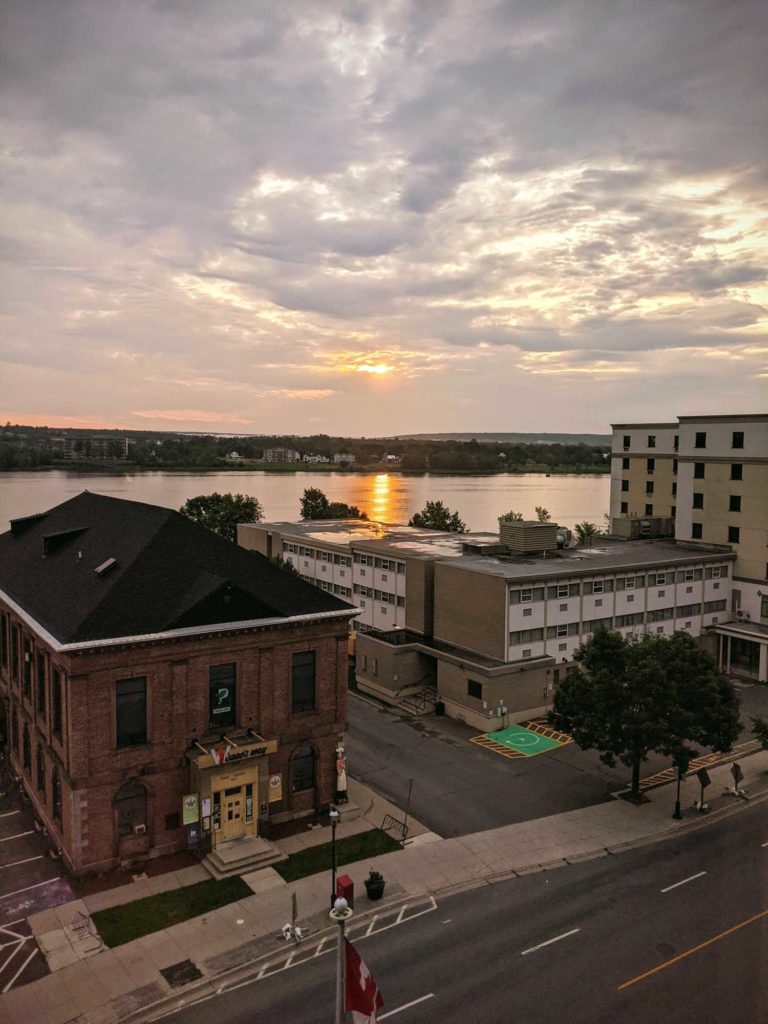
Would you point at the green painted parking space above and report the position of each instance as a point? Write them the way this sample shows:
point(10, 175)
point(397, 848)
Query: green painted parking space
point(523, 740)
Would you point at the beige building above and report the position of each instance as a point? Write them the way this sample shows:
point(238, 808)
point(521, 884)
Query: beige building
point(485, 625)
point(704, 480)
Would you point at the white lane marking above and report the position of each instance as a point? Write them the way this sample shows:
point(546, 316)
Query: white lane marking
point(447, 920)
point(406, 1006)
point(7, 839)
point(370, 926)
point(34, 953)
point(684, 881)
point(764, 844)
point(16, 863)
point(9, 814)
point(549, 942)
point(37, 885)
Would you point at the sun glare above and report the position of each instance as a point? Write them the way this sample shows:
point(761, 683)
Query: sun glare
point(374, 368)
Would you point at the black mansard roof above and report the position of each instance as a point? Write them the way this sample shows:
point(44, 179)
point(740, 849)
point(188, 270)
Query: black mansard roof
point(96, 568)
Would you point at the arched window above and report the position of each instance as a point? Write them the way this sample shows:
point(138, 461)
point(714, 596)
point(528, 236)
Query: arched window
point(303, 769)
point(26, 750)
point(40, 761)
point(56, 796)
point(131, 808)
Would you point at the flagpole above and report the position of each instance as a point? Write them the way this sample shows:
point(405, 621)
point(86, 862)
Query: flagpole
point(341, 913)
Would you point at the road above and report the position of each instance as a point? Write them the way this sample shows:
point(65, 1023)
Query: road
point(460, 788)
point(674, 931)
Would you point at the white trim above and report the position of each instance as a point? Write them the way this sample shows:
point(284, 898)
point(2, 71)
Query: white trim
point(187, 631)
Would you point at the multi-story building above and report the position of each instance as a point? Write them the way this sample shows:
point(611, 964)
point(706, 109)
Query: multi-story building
point(704, 480)
point(484, 621)
point(161, 686)
point(281, 454)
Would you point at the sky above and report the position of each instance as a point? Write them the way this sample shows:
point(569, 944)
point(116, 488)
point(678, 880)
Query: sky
point(368, 218)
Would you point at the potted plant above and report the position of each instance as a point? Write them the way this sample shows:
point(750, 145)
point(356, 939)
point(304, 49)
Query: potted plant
point(374, 885)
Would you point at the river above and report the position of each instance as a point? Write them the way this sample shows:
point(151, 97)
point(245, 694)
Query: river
point(389, 497)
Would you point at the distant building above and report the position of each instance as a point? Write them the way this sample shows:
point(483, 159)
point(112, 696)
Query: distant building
point(281, 454)
point(316, 459)
point(391, 458)
point(344, 457)
point(87, 446)
point(162, 687)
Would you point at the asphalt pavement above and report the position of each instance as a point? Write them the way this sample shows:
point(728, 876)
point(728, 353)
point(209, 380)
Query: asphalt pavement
point(460, 788)
point(674, 931)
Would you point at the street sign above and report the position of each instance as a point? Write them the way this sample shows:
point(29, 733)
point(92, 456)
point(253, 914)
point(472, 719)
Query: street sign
point(703, 777)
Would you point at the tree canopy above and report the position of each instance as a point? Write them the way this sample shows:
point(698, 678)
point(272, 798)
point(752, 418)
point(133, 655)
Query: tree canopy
point(511, 517)
point(543, 514)
point(315, 505)
point(222, 512)
point(437, 516)
point(586, 532)
point(627, 698)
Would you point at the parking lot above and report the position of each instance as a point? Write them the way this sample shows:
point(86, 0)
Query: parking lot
point(461, 787)
point(29, 881)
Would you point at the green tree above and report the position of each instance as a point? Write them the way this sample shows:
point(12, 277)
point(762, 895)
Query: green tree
point(543, 514)
point(627, 698)
point(315, 505)
point(436, 516)
point(586, 532)
point(222, 512)
point(511, 517)
point(760, 731)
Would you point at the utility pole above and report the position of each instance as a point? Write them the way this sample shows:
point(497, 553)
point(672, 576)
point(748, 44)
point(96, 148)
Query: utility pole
point(341, 913)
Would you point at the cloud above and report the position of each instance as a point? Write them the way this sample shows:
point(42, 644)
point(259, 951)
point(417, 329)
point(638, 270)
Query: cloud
point(255, 204)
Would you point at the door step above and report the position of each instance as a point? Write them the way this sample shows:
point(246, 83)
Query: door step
point(241, 856)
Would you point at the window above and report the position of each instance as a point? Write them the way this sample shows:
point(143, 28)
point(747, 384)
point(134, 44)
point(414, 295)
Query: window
point(630, 598)
point(26, 750)
point(28, 670)
point(696, 531)
point(674, 467)
point(563, 590)
point(625, 486)
point(649, 486)
point(627, 441)
point(673, 511)
point(41, 680)
point(737, 470)
point(56, 703)
point(687, 575)
point(562, 647)
point(303, 769)
point(651, 440)
point(56, 796)
point(733, 534)
point(597, 587)
point(527, 611)
point(40, 765)
point(15, 654)
point(676, 444)
point(527, 653)
point(222, 696)
point(715, 572)
point(674, 490)
point(625, 463)
point(734, 503)
point(764, 608)
point(629, 583)
point(698, 499)
point(131, 711)
point(701, 440)
point(130, 802)
point(650, 465)
point(698, 470)
point(624, 508)
point(737, 440)
point(563, 607)
point(474, 689)
point(374, 666)
point(3, 640)
point(648, 510)
point(562, 630)
point(303, 682)
point(526, 595)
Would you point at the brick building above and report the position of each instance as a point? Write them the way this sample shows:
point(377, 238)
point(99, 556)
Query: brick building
point(159, 684)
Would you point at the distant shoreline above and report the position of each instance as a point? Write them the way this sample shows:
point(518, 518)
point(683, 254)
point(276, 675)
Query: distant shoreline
point(122, 469)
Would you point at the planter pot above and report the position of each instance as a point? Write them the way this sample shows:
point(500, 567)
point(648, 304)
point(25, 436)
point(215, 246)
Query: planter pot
point(375, 890)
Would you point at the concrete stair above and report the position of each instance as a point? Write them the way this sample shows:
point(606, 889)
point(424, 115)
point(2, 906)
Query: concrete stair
point(241, 856)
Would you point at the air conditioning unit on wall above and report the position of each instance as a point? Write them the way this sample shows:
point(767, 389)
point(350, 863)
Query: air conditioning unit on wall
point(741, 614)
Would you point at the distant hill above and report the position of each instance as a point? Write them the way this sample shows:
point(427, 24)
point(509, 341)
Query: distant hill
point(603, 440)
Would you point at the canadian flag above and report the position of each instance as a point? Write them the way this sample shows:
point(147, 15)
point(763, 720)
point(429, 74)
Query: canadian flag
point(363, 998)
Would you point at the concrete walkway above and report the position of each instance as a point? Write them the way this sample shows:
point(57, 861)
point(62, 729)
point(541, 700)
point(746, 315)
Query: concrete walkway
point(127, 984)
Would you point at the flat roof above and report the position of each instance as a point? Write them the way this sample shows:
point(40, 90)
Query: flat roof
point(388, 538)
point(605, 555)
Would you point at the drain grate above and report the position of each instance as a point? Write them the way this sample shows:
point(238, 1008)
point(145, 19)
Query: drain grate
point(181, 973)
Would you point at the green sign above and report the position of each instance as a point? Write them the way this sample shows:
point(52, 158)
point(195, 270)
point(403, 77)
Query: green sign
point(190, 810)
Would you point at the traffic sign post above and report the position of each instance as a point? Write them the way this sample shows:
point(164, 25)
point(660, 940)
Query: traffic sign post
point(703, 776)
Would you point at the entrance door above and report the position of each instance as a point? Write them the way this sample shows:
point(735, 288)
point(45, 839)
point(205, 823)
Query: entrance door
point(232, 814)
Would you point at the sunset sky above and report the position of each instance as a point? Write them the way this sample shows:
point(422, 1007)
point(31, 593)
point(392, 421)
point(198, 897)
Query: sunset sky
point(379, 217)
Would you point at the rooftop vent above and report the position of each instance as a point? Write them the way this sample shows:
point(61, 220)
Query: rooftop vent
point(53, 541)
point(20, 525)
point(528, 536)
point(103, 569)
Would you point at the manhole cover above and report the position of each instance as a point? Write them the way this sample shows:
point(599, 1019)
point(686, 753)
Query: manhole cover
point(181, 973)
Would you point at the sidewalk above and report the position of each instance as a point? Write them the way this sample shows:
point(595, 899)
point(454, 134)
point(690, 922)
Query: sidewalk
point(126, 982)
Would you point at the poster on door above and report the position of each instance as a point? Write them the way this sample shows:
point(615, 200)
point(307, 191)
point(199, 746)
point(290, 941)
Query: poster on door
point(190, 811)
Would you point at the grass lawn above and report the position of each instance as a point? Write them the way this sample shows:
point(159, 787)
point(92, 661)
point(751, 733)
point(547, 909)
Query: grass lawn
point(117, 925)
point(352, 848)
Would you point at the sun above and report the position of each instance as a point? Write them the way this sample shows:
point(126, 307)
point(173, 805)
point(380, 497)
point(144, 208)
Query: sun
point(378, 368)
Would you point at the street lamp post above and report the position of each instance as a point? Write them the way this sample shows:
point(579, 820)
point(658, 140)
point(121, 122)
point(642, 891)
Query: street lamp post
point(678, 815)
point(333, 814)
point(340, 913)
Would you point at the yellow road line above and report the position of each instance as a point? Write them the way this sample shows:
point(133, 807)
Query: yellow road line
point(693, 949)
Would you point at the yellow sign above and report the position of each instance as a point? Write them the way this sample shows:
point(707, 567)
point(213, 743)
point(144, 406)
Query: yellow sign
point(275, 788)
point(228, 753)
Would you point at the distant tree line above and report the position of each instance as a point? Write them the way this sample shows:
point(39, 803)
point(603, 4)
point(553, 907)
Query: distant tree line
point(24, 447)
